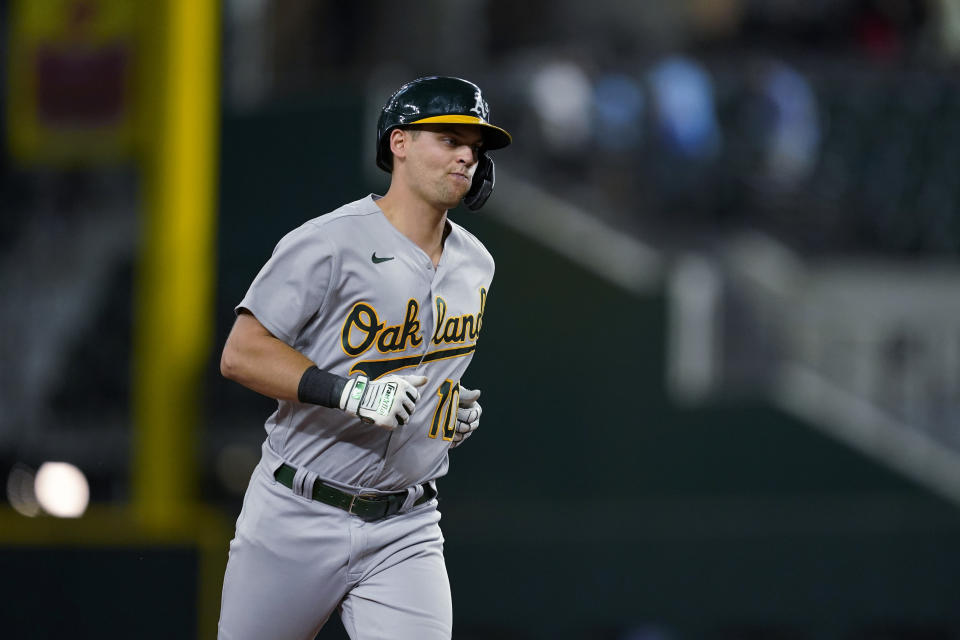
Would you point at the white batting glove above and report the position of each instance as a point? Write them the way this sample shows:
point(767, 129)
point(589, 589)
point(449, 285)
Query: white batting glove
point(468, 416)
point(387, 402)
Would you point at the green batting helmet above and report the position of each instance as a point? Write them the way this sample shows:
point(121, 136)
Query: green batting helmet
point(437, 100)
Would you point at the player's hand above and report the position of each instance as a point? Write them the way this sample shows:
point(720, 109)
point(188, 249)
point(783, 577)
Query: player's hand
point(468, 415)
point(387, 402)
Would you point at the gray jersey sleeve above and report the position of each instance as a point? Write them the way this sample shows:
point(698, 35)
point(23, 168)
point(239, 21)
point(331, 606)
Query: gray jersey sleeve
point(292, 286)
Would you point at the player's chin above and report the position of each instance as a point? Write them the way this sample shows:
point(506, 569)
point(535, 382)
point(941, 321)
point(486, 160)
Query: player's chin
point(453, 196)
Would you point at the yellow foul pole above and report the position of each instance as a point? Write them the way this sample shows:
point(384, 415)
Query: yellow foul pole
point(173, 315)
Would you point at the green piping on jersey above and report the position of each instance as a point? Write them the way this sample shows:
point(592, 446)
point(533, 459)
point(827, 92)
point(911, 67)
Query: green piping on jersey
point(374, 369)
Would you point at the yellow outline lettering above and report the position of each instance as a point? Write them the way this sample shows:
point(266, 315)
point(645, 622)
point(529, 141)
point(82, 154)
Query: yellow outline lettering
point(353, 321)
point(445, 412)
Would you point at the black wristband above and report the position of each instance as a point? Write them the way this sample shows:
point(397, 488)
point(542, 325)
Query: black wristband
point(321, 387)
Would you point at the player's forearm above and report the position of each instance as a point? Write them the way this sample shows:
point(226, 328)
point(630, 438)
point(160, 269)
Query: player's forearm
point(265, 365)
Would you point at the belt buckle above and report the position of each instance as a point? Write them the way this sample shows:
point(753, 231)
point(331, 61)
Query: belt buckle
point(362, 496)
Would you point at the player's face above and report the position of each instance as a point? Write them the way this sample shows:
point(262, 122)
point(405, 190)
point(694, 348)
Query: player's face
point(442, 160)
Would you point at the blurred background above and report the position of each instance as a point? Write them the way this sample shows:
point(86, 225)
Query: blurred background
point(727, 231)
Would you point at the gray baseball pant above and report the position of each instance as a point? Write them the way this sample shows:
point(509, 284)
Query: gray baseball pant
point(294, 560)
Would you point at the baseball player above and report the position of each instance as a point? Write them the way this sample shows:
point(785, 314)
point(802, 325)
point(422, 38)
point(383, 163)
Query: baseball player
point(361, 325)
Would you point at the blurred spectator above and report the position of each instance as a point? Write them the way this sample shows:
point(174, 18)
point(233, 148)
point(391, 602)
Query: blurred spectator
point(561, 96)
point(683, 105)
point(792, 127)
point(619, 104)
point(888, 29)
point(947, 24)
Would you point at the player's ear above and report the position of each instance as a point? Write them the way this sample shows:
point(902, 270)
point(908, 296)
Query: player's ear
point(399, 139)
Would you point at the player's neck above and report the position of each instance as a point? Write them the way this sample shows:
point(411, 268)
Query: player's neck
point(423, 224)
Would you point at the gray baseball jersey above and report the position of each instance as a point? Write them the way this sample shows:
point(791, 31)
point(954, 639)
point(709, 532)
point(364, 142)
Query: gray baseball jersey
point(353, 294)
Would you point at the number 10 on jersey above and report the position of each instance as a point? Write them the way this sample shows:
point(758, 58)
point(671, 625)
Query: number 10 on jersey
point(445, 417)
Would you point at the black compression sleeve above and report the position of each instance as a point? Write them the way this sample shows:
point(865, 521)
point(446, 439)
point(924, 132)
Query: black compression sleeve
point(321, 387)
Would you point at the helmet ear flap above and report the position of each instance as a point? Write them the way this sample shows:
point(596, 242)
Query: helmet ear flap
point(482, 187)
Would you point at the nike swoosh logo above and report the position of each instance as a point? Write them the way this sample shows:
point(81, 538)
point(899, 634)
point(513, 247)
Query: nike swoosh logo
point(377, 260)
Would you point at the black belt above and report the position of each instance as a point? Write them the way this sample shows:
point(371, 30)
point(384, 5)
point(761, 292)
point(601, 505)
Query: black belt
point(369, 507)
